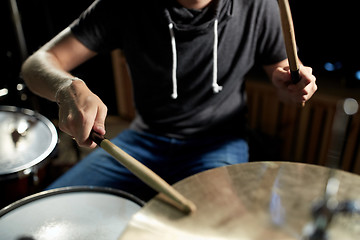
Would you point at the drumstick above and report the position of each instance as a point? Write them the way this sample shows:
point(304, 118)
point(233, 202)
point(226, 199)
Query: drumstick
point(290, 42)
point(289, 38)
point(145, 174)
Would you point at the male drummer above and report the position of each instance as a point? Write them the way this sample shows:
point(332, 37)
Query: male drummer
point(187, 59)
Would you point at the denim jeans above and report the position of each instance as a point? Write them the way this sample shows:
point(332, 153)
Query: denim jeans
point(172, 159)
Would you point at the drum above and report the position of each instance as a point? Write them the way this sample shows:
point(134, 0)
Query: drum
point(251, 201)
point(26, 143)
point(69, 213)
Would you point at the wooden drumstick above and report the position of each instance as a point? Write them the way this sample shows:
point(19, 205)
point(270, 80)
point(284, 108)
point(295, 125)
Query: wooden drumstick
point(290, 42)
point(170, 194)
point(289, 38)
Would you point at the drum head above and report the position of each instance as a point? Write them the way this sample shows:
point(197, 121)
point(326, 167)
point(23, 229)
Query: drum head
point(250, 201)
point(27, 138)
point(69, 213)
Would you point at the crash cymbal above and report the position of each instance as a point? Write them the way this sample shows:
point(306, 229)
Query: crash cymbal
point(260, 200)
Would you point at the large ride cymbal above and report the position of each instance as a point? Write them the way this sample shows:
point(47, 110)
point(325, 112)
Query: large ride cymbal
point(257, 201)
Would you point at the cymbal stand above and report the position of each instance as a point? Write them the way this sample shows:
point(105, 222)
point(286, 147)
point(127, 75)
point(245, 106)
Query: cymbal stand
point(324, 210)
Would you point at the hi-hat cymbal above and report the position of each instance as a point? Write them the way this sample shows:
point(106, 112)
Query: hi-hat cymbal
point(257, 201)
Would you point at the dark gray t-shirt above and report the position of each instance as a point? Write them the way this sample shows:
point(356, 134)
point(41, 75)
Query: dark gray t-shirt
point(249, 32)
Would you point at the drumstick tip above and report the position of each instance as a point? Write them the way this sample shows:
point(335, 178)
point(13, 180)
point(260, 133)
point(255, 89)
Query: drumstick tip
point(183, 204)
point(190, 208)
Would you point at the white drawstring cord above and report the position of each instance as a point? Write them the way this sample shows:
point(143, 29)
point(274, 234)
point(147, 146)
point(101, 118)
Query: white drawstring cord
point(174, 95)
point(215, 85)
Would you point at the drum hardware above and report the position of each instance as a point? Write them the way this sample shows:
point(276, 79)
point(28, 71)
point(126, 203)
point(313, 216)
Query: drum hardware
point(167, 193)
point(28, 140)
point(23, 91)
point(17, 89)
point(20, 38)
point(324, 210)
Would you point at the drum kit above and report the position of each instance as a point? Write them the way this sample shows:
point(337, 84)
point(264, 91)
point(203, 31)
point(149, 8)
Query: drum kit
point(250, 201)
point(259, 200)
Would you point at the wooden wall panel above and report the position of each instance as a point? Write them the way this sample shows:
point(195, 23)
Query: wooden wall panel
point(305, 132)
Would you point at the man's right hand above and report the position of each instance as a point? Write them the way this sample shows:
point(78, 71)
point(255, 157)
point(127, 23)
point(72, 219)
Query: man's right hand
point(81, 111)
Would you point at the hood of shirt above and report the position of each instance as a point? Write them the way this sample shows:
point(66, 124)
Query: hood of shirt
point(196, 21)
point(191, 22)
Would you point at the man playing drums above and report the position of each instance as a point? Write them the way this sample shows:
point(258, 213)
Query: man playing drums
point(187, 59)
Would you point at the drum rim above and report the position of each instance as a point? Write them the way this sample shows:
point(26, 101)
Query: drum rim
point(46, 153)
point(72, 189)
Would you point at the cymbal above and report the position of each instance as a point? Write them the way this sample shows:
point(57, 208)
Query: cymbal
point(258, 200)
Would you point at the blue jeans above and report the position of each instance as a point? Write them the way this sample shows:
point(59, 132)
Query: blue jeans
point(172, 159)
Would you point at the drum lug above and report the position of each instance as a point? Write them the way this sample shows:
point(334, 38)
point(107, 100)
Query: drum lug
point(35, 176)
point(32, 173)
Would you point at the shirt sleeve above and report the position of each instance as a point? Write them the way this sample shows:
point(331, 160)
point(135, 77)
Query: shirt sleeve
point(96, 27)
point(271, 46)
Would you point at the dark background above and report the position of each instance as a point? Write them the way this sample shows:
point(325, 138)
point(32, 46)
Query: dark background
point(41, 20)
point(326, 32)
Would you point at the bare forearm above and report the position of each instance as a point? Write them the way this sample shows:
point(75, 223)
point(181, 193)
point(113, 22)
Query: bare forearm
point(47, 70)
point(47, 73)
point(44, 76)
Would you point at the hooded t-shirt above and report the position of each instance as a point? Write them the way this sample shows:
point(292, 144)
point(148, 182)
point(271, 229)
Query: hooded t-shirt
point(187, 66)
